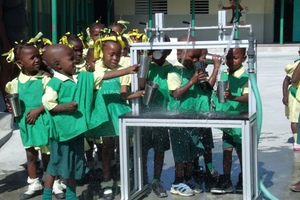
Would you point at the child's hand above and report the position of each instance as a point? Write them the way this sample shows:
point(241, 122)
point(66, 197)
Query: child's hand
point(72, 106)
point(32, 115)
point(285, 100)
point(227, 94)
point(141, 93)
point(202, 76)
point(195, 78)
point(133, 69)
point(217, 60)
point(8, 107)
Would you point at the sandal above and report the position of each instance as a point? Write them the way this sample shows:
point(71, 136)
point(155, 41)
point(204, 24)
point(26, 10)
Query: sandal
point(182, 189)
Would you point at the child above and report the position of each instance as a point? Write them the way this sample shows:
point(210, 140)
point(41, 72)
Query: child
point(292, 105)
point(94, 32)
point(295, 83)
point(187, 95)
point(69, 100)
point(237, 100)
point(74, 42)
point(33, 123)
point(157, 138)
point(115, 94)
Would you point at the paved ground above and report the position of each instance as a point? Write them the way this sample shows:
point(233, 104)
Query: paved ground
point(278, 165)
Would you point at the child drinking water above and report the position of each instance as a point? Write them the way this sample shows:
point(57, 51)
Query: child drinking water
point(68, 100)
point(237, 100)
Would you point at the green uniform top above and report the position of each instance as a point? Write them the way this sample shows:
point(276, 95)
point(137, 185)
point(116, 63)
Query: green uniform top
point(159, 75)
point(61, 90)
point(238, 85)
point(111, 92)
point(195, 99)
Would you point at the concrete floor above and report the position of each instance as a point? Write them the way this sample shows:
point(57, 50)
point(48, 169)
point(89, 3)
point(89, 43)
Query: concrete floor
point(278, 164)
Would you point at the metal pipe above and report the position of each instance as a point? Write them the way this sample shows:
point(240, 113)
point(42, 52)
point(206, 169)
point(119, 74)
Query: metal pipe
point(281, 21)
point(150, 19)
point(200, 28)
point(193, 17)
point(63, 17)
point(237, 18)
point(34, 14)
point(54, 21)
point(71, 16)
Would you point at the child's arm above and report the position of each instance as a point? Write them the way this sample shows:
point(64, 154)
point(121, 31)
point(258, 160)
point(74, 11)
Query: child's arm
point(116, 73)
point(50, 103)
point(213, 77)
point(243, 98)
point(125, 95)
point(182, 90)
point(32, 115)
point(296, 74)
point(71, 107)
point(285, 91)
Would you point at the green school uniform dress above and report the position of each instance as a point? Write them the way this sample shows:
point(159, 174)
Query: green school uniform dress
point(157, 137)
point(115, 106)
point(30, 94)
point(236, 84)
point(68, 128)
point(186, 144)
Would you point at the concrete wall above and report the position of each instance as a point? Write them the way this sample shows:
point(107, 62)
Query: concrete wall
point(260, 14)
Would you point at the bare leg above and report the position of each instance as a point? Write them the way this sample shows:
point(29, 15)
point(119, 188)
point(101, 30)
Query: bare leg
point(107, 155)
point(32, 156)
point(227, 161)
point(158, 164)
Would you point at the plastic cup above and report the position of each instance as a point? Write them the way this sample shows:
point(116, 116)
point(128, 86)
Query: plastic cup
point(222, 87)
point(14, 101)
point(150, 91)
point(144, 61)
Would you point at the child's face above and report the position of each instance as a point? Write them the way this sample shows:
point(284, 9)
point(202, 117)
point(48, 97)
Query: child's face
point(94, 33)
point(29, 60)
point(235, 58)
point(91, 60)
point(67, 62)
point(77, 48)
point(111, 54)
point(190, 57)
point(116, 28)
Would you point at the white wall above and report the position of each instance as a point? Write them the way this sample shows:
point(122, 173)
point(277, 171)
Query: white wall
point(260, 16)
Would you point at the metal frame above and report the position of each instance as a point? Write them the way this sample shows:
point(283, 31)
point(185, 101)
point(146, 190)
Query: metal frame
point(248, 126)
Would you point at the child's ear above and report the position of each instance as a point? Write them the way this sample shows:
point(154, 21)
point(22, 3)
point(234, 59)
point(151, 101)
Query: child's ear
point(19, 63)
point(57, 64)
point(245, 57)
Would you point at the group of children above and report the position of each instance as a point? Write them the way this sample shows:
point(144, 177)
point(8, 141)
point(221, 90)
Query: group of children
point(84, 88)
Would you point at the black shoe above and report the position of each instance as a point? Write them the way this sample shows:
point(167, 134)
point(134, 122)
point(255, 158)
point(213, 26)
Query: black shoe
point(108, 194)
point(239, 185)
point(25, 196)
point(59, 195)
point(158, 189)
point(223, 186)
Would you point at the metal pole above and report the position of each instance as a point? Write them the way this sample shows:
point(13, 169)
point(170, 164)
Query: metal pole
point(77, 16)
point(193, 17)
point(109, 12)
point(71, 16)
point(44, 10)
point(281, 21)
point(34, 17)
point(150, 18)
point(63, 17)
point(237, 17)
point(54, 21)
